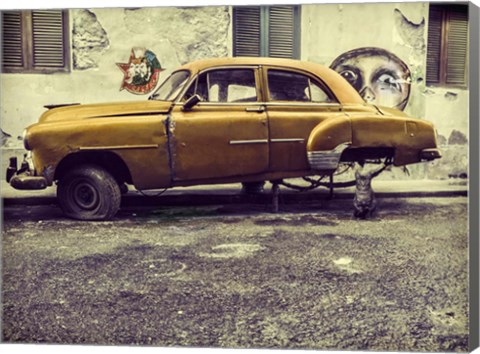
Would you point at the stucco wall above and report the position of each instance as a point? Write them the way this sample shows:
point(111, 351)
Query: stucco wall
point(101, 38)
point(399, 28)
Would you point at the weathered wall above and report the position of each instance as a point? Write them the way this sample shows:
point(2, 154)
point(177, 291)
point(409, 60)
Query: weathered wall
point(102, 42)
point(100, 39)
point(328, 31)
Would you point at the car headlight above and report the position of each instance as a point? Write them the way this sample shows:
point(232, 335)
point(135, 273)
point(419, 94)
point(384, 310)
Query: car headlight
point(25, 140)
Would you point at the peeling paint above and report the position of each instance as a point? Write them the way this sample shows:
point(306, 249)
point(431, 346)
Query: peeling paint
point(89, 40)
point(411, 33)
point(451, 96)
point(4, 137)
point(457, 138)
point(197, 33)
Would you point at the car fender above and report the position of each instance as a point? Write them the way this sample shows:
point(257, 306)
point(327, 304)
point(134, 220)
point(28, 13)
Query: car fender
point(408, 136)
point(327, 141)
point(140, 142)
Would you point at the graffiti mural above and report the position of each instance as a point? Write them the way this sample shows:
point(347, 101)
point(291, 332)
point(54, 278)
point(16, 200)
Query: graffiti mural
point(141, 73)
point(378, 75)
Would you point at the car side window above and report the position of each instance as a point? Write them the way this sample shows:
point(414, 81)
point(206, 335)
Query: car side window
point(290, 86)
point(225, 85)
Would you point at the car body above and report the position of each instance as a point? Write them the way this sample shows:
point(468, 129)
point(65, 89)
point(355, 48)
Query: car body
point(218, 121)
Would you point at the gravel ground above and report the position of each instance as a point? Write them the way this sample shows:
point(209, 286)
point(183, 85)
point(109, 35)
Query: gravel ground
point(309, 277)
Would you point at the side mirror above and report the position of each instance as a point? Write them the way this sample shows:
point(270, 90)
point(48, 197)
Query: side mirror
point(191, 102)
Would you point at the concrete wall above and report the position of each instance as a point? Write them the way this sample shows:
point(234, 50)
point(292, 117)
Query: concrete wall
point(401, 29)
point(103, 38)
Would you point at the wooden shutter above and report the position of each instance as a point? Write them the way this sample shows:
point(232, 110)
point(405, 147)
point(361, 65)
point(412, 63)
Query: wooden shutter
point(35, 41)
point(434, 48)
point(247, 31)
point(47, 39)
point(457, 43)
point(12, 41)
point(447, 48)
point(281, 37)
point(266, 31)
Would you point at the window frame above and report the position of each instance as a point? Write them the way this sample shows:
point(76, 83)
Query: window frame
point(27, 47)
point(446, 10)
point(311, 79)
point(194, 82)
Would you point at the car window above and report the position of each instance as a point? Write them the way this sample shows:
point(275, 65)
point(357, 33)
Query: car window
point(290, 86)
point(225, 85)
point(172, 86)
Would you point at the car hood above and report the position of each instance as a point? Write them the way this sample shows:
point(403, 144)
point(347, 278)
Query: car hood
point(70, 112)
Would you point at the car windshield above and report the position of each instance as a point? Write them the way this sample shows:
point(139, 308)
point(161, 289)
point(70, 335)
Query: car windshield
point(171, 87)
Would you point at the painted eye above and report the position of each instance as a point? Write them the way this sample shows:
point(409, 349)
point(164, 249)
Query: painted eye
point(350, 76)
point(390, 82)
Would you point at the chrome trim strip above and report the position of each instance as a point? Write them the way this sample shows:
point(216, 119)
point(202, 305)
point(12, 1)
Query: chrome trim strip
point(118, 147)
point(267, 104)
point(303, 104)
point(288, 140)
point(327, 159)
point(254, 141)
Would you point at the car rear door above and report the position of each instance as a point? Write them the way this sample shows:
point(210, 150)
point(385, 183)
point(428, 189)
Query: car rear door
point(296, 103)
point(226, 134)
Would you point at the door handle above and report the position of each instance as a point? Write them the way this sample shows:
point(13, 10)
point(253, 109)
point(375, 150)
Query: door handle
point(259, 109)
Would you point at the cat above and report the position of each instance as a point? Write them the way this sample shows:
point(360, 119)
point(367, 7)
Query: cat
point(364, 202)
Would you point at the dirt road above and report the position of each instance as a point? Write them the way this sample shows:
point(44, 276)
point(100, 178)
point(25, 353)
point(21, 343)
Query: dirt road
point(308, 277)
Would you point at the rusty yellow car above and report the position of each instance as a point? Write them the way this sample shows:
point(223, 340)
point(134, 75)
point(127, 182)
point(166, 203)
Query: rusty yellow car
point(225, 120)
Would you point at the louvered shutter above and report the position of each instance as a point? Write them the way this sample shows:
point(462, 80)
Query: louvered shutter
point(281, 37)
point(48, 42)
point(35, 41)
point(434, 48)
point(247, 31)
point(266, 31)
point(457, 43)
point(447, 48)
point(12, 41)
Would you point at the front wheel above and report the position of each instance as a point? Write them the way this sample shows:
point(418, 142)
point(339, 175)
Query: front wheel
point(89, 192)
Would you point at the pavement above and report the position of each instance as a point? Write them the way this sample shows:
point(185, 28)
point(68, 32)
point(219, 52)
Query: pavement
point(231, 193)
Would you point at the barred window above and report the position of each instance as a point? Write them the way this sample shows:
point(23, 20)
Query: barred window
point(447, 48)
point(35, 41)
point(267, 31)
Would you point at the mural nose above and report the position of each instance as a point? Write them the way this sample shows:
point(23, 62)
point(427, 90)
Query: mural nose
point(367, 94)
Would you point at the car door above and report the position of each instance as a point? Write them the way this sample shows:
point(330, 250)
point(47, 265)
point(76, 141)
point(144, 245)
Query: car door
point(226, 133)
point(296, 103)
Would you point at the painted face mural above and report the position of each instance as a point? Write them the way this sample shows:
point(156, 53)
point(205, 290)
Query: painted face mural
point(141, 72)
point(379, 76)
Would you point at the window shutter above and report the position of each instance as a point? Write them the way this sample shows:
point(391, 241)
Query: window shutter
point(48, 41)
point(12, 41)
point(281, 40)
point(247, 31)
point(434, 48)
point(457, 43)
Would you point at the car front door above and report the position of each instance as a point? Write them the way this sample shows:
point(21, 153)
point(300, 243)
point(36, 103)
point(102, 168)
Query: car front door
point(226, 133)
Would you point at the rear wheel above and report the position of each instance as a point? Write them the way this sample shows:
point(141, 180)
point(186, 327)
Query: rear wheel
point(89, 192)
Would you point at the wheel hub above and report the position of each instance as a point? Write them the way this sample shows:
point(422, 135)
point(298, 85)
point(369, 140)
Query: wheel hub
point(85, 195)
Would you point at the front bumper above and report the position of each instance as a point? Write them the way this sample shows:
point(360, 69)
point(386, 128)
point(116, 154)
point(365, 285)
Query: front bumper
point(24, 179)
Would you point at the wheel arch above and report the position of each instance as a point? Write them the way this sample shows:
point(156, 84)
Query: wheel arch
point(109, 160)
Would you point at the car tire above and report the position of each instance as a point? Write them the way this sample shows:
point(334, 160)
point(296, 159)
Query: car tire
point(89, 192)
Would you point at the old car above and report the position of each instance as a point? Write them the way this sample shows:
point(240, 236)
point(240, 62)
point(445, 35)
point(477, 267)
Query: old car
point(225, 120)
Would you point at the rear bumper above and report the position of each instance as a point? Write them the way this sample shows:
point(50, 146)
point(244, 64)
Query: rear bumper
point(430, 154)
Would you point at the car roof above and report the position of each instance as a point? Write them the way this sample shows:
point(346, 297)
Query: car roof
point(341, 88)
